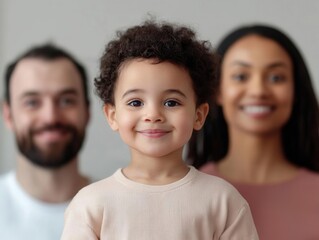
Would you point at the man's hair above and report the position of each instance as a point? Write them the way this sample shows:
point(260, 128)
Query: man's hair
point(160, 42)
point(47, 52)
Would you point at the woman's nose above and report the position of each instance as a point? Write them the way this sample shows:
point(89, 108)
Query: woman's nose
point(258, 87)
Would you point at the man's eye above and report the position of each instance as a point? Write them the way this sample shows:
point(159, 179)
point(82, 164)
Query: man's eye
point(171, 103)
point(67, 101)
point(32, 103)
point(135, 103)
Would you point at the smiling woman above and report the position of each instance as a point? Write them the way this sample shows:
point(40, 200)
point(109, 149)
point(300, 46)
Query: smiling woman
point(256, 91)
point(263, 132)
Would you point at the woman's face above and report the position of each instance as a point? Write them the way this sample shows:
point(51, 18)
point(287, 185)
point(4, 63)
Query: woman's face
point(257, 86)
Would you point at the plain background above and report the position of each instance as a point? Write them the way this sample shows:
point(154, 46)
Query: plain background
point(83, 27)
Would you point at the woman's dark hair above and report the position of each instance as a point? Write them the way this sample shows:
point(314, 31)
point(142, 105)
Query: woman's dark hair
point(47, 52)
point(159, 42)
point(300, 135)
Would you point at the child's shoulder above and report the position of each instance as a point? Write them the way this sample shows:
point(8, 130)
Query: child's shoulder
point(213, 180)
point(97, 188)
point(217, 186)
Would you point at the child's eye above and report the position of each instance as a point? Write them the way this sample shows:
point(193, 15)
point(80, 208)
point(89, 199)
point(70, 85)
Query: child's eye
point(171, 103)
point(135, 103)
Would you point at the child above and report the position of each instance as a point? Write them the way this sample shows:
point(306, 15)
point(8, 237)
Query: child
point(155, 82)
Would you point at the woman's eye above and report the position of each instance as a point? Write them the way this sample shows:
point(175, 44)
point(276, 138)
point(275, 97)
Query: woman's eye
point(276, 78)
point(135, 103)
point(171, 103)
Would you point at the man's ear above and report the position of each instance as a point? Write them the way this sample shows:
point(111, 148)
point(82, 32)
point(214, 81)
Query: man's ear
point(7, 115)
point(110, 115)
point(201, 114)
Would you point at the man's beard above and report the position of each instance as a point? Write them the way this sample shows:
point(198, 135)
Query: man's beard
point(56, 155)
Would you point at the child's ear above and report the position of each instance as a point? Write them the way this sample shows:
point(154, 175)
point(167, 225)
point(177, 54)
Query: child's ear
point(110, 115)
point(201, 114)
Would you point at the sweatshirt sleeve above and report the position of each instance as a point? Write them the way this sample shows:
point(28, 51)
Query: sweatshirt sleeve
point(242, 227)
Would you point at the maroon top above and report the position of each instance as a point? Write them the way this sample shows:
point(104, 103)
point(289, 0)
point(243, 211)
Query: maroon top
point(282, 211)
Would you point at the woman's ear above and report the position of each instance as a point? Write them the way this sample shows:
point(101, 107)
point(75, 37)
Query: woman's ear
point(110, 115)
point(201, 114)
point(218, 97)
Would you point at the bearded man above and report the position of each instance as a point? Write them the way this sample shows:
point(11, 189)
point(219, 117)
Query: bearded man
point(46, 106)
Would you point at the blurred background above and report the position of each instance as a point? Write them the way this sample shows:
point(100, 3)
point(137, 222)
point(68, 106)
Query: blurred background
point(84, 27)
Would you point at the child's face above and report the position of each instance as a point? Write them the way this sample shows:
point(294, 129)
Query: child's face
point(155, 107)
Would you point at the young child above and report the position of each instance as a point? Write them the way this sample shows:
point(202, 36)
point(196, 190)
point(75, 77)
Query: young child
point(155, 82)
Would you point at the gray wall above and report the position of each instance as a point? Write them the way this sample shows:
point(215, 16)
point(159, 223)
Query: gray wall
point(2, 135)
point(84, 27)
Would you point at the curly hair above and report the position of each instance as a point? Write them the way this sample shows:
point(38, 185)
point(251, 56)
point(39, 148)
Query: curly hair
point(161, 42)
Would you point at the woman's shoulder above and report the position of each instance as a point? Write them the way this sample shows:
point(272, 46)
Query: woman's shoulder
point(306, 176)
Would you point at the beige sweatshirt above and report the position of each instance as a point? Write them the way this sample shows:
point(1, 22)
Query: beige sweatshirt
point(196, 207)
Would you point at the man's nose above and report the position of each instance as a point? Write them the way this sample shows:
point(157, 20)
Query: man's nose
point(50, 112)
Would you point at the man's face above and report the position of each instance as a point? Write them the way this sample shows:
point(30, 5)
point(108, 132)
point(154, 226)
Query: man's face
point(47, 111)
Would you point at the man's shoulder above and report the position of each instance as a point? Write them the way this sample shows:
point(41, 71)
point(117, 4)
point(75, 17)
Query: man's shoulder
point(6, 181)
point(6, 188)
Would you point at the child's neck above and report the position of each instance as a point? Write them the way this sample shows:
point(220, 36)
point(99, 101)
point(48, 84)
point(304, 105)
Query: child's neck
point(156, 171)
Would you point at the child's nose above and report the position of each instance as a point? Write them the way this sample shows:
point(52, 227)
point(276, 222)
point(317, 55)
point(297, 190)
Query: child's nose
point(154, 114)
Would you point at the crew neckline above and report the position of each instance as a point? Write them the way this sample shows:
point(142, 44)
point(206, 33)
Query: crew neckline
point(119, 176)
